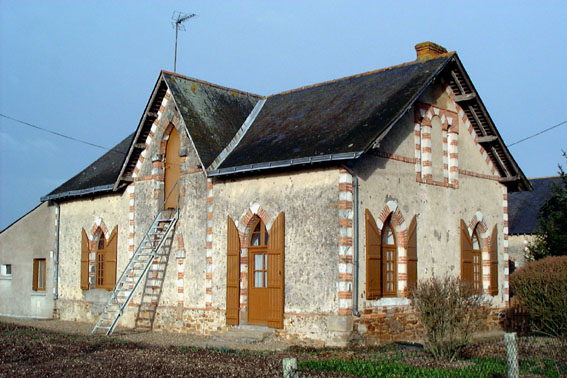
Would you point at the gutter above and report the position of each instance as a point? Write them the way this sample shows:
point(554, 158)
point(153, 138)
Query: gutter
point(355, 243)
point(284, 163)
point(80, 192)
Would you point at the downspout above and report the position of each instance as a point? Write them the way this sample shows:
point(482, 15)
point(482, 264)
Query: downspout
point(355, 244)
point(56, 262)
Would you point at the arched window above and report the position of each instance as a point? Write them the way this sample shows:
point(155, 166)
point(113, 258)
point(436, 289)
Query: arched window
point(100, 261)
point(259, 237)
point(389, 261)
point(258, 243)
point(471, 261)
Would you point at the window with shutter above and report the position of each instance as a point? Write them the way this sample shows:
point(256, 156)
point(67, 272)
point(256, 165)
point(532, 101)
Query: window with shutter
point(373, 258)
point(109, 268)
point(389, 261)
point(471, 262)
point(38, 275)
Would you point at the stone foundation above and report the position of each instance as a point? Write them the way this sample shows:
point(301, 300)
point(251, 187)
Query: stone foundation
point(385, 325)
point(376, 326)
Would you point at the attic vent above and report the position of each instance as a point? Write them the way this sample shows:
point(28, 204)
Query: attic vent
point(428, 50)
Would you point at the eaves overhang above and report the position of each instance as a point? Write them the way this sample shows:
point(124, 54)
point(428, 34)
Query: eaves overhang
point(78, 193)
point(285, 163)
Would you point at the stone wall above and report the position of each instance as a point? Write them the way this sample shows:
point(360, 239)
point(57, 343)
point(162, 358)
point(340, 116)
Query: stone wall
point(394, 181)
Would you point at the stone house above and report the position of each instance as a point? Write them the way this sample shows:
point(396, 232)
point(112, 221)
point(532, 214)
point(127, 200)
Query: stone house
point(311, 212)
point(524, 215)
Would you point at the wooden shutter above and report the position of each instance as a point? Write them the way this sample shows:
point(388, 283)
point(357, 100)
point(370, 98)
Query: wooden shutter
point(276, 245)
point(110, 250)
point(412, 254)
point(466, 255)
point(85, 262)
point(373, 258)
point(232, 274)
point(494, 262)
point(35, 273)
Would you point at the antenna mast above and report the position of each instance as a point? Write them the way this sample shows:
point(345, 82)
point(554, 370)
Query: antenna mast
point(178, 20)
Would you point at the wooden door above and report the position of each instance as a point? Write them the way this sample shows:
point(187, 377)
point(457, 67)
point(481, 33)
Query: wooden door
point(266, 272)
point(259, 299)
point(172, 170)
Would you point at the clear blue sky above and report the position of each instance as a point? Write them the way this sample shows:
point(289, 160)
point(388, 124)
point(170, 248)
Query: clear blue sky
point(87, 68)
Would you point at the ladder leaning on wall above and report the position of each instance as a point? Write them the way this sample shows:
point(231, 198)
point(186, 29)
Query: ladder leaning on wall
point(137, 269)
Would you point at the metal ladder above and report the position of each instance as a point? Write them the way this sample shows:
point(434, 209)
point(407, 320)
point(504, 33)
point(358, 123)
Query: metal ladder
point(136, 270)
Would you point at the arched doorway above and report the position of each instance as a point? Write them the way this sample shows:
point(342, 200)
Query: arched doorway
point(266, 274)
point(172, 170)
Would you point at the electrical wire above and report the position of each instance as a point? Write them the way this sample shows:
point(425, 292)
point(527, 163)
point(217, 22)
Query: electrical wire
point(54, 132)
point(69, 137)
point(541, 132)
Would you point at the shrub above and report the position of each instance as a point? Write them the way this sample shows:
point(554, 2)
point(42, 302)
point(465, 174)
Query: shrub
point(450, 312)
point(541, 288)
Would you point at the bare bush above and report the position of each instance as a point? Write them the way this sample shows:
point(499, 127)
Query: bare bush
point(450, 312)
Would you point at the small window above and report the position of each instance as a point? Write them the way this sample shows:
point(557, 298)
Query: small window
point(6, 270)
point(100, 262)
point(259, 235)
point(38, 275)
point(477, 263)
point(389, 262)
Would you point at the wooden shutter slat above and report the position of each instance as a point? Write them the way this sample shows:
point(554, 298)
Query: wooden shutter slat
point(84, 261)
point(494, 262)
point(110, 251)
point(466, 255)
point(373, 258)
point(412, 254)
point(232, 274)
point(276, 246)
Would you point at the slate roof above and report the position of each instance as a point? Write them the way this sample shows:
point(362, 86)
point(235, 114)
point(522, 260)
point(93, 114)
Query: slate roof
point(339, 117)
point(98, 177)
point(523, 207)
point(212, 114)
point(235, 131)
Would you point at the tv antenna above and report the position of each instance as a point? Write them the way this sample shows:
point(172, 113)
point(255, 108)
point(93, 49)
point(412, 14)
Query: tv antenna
point(178, 19)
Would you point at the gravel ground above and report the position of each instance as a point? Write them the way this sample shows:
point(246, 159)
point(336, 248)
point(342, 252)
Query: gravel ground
point(157, 338)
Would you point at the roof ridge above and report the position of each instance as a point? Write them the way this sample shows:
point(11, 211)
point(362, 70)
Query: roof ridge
point(212, 84)
point(359, 74)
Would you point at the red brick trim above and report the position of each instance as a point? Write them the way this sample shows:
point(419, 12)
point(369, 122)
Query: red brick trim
point(345, 242)
point(209, 248)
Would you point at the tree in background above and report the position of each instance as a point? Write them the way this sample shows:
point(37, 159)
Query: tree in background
point(552, 237)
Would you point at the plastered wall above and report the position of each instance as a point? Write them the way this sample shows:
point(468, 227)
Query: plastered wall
point(390, 178)
point(33, 236)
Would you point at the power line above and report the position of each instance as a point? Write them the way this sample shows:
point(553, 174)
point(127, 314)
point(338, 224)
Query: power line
point(54, 132)
point(67, 136)
point(541, 132)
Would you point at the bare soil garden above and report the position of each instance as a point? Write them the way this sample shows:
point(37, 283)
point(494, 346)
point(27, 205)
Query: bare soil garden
point(63, 349)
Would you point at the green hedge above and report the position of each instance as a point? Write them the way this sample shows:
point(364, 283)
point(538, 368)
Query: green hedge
point(541, 288)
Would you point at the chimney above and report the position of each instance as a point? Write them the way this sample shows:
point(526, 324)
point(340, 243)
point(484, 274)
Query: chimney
point(428, 50)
